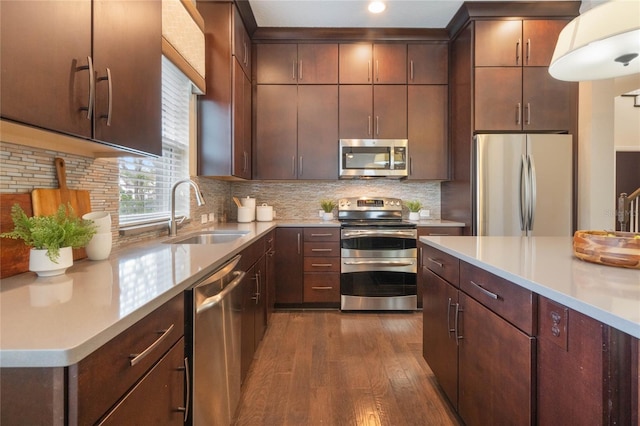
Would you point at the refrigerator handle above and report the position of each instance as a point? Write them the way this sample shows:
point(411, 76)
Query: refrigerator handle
point(524, 194)
point(532, 189)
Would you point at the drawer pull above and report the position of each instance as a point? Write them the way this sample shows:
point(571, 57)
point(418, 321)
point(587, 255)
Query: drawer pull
point(435, 234)
point(435, 261)
point(322, 288)
point(322, 235)
point(321, 249)
point(136, 358)
point(185, 409)
point(485, 291)
point(322, 265)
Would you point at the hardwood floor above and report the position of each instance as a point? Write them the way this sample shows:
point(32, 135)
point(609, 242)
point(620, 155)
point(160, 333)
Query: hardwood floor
point(334, 368)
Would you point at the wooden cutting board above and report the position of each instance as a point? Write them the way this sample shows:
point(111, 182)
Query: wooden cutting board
point(46, 201)
point(14, 254)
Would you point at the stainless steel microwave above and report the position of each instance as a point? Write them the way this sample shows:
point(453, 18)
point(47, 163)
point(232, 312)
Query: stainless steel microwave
point(374, 158)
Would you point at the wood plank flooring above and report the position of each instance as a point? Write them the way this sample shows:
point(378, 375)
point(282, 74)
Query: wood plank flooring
point(335, 368)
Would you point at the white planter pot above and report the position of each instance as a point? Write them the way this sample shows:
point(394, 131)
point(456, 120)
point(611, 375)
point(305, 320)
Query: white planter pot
point(327, 216)
point(414, 215)
point(44, 267)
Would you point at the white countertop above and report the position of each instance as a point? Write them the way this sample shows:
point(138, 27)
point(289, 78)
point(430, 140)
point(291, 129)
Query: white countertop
point(547, 266)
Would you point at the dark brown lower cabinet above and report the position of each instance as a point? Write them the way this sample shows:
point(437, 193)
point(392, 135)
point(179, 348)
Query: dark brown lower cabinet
point(288, 267)
point(253, 314)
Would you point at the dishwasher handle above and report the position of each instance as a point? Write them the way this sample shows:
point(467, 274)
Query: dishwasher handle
point(210, 302)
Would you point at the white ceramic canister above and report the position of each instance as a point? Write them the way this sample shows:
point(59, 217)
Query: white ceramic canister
point(251, 204)
point(245, 214)
point(264, 213)
point(102, 220)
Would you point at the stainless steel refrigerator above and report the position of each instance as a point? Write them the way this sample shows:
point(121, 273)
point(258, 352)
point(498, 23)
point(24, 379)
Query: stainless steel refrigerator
point(523, 184)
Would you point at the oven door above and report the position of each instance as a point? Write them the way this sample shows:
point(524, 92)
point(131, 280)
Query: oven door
point(378, 242)
point(378, 289)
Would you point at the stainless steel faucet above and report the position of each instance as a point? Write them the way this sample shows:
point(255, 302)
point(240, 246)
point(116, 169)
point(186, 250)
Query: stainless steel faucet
point(173, 225)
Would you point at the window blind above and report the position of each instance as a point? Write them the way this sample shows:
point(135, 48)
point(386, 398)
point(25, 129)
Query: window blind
point(145, 183)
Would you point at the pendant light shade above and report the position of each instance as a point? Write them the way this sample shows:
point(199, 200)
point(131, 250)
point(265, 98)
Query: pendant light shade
point(603, 42)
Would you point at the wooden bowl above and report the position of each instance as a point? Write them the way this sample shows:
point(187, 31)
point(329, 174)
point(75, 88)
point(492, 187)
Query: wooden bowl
point(621, 249)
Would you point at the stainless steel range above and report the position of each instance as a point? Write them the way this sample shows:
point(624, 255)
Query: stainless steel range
point(378, 255)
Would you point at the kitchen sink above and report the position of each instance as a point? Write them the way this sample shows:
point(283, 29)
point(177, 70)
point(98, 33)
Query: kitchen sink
point(210, 237)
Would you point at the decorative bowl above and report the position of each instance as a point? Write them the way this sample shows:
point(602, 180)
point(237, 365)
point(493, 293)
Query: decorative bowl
point(621, 249)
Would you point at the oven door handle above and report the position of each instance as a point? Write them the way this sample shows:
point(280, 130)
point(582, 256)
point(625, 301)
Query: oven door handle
point(379, 233)
point(380, 262)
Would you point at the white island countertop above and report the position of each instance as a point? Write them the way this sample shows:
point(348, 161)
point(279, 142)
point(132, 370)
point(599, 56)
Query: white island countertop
point(547, 266)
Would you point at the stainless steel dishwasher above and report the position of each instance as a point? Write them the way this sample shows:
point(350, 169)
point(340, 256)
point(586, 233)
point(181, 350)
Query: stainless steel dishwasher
point(213, 343)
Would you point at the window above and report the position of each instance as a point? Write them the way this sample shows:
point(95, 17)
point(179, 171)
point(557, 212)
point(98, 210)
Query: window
point(145, 183)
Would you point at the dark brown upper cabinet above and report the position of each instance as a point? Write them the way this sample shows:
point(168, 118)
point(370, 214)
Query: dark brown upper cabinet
point(241, 44)
point(378, 63)
point(307, 63)
point(373, 112)
point(88, 69)
point(427, 63)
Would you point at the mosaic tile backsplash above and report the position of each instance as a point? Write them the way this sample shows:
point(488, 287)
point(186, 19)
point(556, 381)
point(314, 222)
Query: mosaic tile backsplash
point(24, 168)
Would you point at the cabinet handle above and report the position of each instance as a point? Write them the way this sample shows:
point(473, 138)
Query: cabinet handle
point(368, 70)
point(433, 234)
point(244, 154)
point(518, 52)
point(188, 384)
point(377, 70)
point(321, 249)
point(411, 70)
point(293, 70)
point(92, 87)
point(300, 166)
point(256, 296)
point(455, 325)
point(322, 235)
point(369, 125)
point(528, 108)
point(246, 53)
point(108, 78)
point(449, 305)
point(298, 243)
point(419, 257)
point(435, 261)
point(485, 291)
point(322, 288)
point(293, 165)
point(321, 265)
point(300, 70)
point(136, 358)
point(528, 50)
point(518, 112)
point(377, 125)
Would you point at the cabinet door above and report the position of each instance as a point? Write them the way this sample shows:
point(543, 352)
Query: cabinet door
point(288, 266)
point(260, 317)
point(539, 39)
point(277, 63)
point(270, 274)
point(241, 140)
point(275, 155)
point(498, 43)
point(390, 63)
point(427, 109)
point(427, 63)
point(317, 63)
point(248, 327)
point(356, 120)
point(355, 63)
point(495, 368)
point(127, 47)
point(548, 104)
point(390, 111)
point(241, 43)
point(439, 346)
point(158, 398)
point(45, 45)
point(318, 132)
point(498, 98)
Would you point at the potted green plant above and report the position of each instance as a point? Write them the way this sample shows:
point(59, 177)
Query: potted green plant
point(327, 207)
point(51, 238)
point(414, 209)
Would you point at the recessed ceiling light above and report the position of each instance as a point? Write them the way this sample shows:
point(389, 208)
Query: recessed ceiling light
point(376, 7)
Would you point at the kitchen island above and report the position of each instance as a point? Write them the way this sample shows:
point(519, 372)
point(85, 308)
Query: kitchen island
point(518, 330)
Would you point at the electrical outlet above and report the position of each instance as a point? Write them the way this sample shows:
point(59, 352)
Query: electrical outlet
point(425, 213)
point(212, 217)
point(203, 219)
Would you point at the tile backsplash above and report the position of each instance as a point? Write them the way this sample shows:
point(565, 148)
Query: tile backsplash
point(24, 168)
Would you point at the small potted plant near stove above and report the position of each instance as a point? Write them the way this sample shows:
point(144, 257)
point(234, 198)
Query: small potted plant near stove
point(51, 238)
point(414, 209)
point(327, 208)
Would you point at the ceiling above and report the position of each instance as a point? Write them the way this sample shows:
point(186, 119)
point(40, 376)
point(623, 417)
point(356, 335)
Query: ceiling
point(354, 14)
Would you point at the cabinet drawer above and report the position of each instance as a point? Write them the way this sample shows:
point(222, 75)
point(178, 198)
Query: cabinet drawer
point(510, 301)
point(322, 287)
point(322, 234)
point(321, 249)
point(322, 264)
point(439, 230)
point(98, 381)
point(441, 263)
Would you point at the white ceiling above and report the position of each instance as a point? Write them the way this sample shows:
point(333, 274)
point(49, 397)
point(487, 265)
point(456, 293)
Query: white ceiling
point(354, 14)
